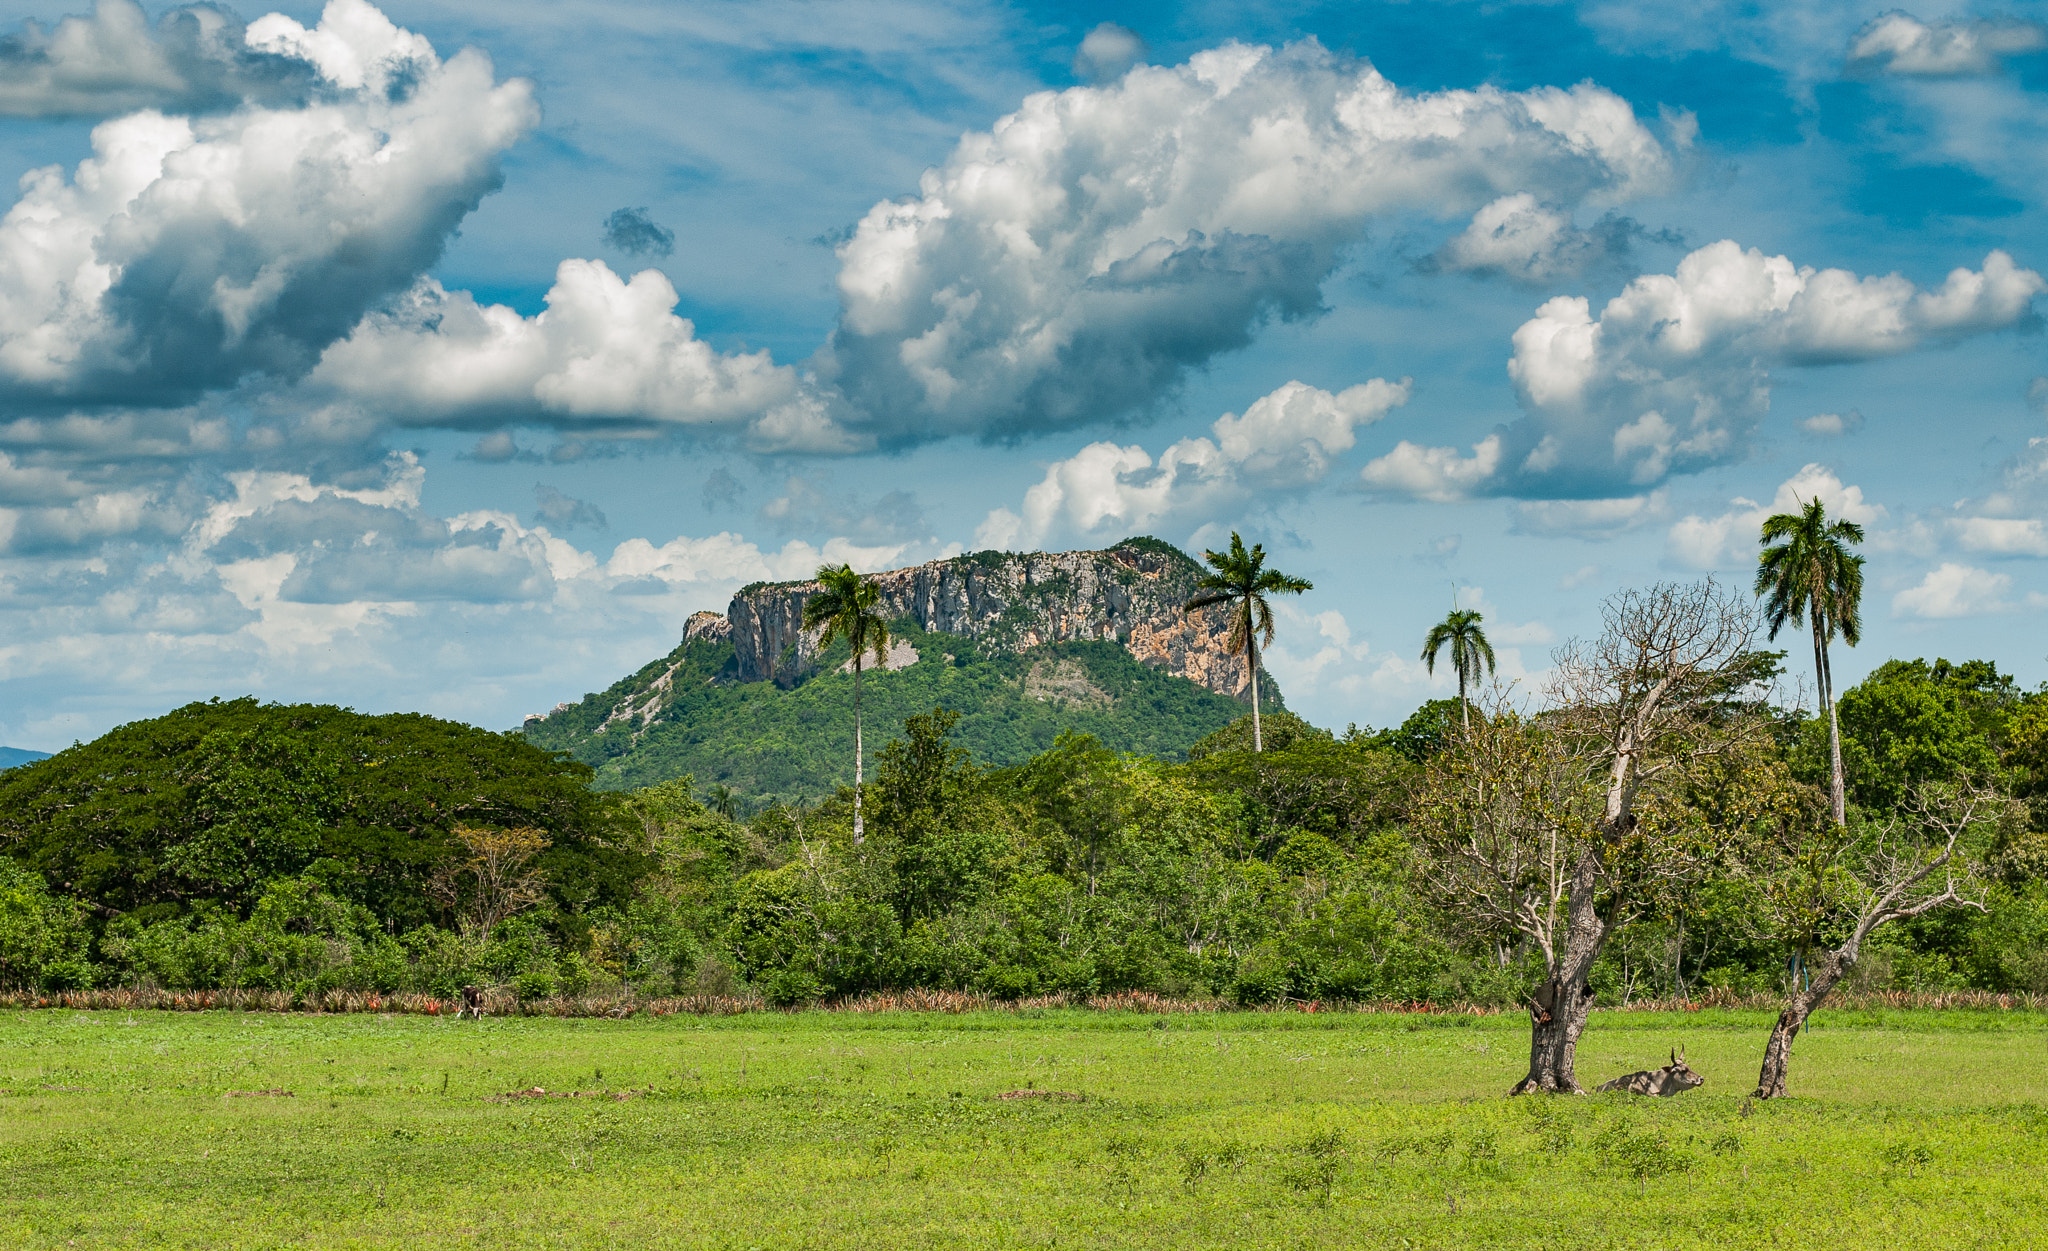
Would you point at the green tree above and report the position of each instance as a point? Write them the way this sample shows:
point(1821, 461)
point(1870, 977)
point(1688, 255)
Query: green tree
point(1807, 575)
point(847, 607)
point(1240, 578)
point(1469, 650)
point(1910, 723)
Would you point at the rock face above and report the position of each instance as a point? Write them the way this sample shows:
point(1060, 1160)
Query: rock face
point(1009, 602)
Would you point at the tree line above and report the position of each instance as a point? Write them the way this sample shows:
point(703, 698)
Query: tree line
point(1659, 821)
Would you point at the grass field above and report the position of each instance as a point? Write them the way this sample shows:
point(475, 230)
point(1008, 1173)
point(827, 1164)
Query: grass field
point(1908, 1129)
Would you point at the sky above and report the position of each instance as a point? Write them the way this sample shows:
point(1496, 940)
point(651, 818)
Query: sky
point(445, 356)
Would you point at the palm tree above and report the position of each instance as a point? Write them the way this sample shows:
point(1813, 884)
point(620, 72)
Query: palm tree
point(1807, 575)
point(1241, 578)
point(1469, 650)
point(846, 608)
point(724, 800)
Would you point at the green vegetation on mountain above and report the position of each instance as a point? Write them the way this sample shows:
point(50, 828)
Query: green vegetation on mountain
point(773, 745)
point(203, 810)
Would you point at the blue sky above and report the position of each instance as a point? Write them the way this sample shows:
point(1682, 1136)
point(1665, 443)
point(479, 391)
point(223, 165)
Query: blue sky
point(445, 356)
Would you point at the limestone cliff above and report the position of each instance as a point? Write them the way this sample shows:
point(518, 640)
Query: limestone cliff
point(1010, 602)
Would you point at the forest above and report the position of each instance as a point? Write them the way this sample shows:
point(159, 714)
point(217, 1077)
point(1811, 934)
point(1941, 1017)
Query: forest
point(304, 849)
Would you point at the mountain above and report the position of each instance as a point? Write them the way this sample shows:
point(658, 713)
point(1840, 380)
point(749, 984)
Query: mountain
point(12, 756)
point(1023, 646)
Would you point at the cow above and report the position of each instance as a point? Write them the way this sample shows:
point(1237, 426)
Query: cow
point(472, 1003)
point(1674, 1078)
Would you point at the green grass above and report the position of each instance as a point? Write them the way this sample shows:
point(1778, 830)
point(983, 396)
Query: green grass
point(1908, 1129)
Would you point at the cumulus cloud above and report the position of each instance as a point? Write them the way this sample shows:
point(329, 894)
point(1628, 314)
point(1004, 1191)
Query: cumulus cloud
point(197, 58)
point(564, 512)
point(1954, 590)
point(1829, 425)
point(2003, 536)
point(1070, 263)
point(1438, 474)
point(2013, 519)
point(1899, 43)
point(1107, 51)
point(1285, 440)
point(632, 231)
point(1526, 241)
point(1589, 519)
point(607, 352)
point(188, 252)
point(1674, 375)
point(1729, 540)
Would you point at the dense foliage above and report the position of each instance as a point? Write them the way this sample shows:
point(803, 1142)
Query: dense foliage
point(235, 844)
point(773, 745)
point(195, 818)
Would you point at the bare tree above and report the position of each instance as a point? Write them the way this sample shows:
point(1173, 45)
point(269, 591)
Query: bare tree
point(493, 878)
point(1849, 882)
point(1567, 826)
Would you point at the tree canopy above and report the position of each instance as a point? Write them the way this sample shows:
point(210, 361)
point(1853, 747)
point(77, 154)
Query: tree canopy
point(206, 805)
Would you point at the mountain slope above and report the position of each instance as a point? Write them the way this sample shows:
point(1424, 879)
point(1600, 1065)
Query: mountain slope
point(1087, 642)
point(12, 756)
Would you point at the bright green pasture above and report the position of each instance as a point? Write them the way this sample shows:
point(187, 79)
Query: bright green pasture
point(842, 1130)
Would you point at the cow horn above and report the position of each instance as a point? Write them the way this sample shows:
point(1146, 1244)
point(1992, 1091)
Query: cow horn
point(1674, 1055)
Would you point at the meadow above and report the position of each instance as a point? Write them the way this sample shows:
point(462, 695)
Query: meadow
point(890, 1129)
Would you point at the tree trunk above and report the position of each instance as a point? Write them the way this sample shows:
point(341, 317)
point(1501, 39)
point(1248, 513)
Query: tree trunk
point(1251, 655)
point(1770, 1080)
point(1464, 709)
point(859, 834)
point(1836, 793)
point(1558, 1010)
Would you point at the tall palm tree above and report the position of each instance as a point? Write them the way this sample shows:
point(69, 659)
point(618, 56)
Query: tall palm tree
point(724, 800)
point(1469, 650)
point(1240, 578)
point(847, 608)
point(1807, 575)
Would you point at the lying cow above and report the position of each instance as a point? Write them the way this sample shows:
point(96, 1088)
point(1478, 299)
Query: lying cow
point(1674, 1078)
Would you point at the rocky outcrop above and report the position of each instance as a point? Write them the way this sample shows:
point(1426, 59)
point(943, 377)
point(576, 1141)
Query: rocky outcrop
point(1012, 601)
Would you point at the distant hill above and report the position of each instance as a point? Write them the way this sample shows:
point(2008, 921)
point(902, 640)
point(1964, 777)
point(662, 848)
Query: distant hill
point(12, 756)
point(1022, 646)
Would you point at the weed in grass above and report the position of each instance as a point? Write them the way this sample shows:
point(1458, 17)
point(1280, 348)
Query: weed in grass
point(1910, 1156)
point(1120, 1172)
point(1640, 1155)
point(1316, 1174)
point(1482, 1151)
point(1194, 1166)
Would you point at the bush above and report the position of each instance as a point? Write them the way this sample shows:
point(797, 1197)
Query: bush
point(44, 941)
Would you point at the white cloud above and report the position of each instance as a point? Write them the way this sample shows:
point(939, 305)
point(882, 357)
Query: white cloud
point(2013, 519)
point(1954, 590)
point(1071, 262)
point(1729, 541)
point(1286, 439)
point(727, 558)
point(1438, 474)
point(1524, 240)
point(1899, 43)
point(1829, 425)
point(1674, 374)
point(189, 252)
point(1107, 52)
point(2003, 536)
point(606, 352)
point(110, 61)
point(1589, 519)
